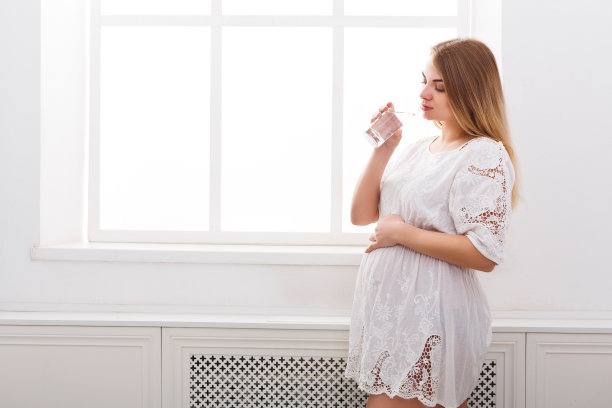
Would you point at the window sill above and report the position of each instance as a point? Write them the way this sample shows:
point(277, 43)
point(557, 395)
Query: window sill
point(200, 253)
point(503, 321)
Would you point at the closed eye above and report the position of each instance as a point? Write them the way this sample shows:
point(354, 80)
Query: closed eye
point(439, 90)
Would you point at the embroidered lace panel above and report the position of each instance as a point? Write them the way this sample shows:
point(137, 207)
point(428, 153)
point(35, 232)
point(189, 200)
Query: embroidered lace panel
point(419, 382)
point(492, 218)
point(483, 201)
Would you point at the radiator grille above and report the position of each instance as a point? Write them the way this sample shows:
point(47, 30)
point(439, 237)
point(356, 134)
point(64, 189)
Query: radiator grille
point(244, 381)
point(484, 393)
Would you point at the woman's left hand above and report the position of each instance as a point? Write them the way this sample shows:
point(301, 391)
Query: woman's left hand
point(385, 232)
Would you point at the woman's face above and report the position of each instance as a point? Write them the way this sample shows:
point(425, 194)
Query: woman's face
point(433, 95)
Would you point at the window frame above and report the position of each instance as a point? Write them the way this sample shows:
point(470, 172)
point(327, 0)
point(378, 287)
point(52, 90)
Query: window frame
point(216, 21)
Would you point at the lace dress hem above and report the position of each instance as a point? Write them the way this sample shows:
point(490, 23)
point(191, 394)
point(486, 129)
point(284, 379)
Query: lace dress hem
point(386, 390)
point(419, 382)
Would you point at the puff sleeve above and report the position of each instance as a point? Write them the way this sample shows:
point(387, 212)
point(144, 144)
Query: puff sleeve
point(480, 198)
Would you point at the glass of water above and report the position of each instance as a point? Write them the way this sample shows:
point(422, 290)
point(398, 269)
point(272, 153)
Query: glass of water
point(387, 124)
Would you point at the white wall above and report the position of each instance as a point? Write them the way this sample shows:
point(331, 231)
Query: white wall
point(557, 83)
point(556, 66)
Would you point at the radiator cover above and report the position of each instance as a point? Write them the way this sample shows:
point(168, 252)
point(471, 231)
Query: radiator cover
point(249, 381)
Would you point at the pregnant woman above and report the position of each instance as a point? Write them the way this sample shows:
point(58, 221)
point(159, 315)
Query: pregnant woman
point(421, 324)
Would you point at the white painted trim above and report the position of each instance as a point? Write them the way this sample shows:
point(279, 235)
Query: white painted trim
point(123, 314)
point(196, 253)
point(508, 351)
point(215, 153)
point(316, 319)
point(464, 18)
point(336, 166)
point(284, 21)
point(232, 237)
point(93, 138)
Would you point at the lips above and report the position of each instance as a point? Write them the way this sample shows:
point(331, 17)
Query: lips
point(425, 107)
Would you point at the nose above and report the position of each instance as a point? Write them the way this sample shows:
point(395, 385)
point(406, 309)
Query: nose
point(425, 94)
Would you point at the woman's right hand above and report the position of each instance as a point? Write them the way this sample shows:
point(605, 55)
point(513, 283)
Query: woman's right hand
point(393, 141)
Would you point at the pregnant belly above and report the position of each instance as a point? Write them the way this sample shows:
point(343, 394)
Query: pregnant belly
point(399, 266)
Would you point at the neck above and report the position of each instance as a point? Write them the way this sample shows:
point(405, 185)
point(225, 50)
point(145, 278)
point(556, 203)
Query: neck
point(451, 132)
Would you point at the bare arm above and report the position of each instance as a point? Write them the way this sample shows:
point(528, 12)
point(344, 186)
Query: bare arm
point(364, 207)
point(455, 249)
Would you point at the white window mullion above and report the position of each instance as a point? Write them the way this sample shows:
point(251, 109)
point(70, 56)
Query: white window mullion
point(400, 21)
point(464, 18)
point(288, 21)
point(215, 120)
point(144, 20)
point(95, 29)
point(337, 118)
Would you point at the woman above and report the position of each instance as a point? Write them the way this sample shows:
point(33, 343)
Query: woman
point(421, 324)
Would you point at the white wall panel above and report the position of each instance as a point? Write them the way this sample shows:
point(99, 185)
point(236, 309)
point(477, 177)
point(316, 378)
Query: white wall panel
point(67, 366)
point(569, 370)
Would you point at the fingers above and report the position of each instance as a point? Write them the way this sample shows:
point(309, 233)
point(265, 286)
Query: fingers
point(378, 115)
point(372, 247)
point(389, 105)
point(374, 244)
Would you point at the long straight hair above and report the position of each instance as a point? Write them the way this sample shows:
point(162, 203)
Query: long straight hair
point(475, 95)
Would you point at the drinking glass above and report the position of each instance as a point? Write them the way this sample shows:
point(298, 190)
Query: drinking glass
point(387, 124)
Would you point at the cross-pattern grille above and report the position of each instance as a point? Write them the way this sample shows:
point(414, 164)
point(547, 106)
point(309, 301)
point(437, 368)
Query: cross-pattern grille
point(243, 381)
point(484, 393)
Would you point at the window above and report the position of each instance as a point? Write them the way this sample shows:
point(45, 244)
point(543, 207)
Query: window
point(240, 122)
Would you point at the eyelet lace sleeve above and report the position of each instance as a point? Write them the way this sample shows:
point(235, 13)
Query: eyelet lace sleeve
point(480, 199)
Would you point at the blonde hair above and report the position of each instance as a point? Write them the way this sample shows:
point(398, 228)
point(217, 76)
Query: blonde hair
point(475, 95)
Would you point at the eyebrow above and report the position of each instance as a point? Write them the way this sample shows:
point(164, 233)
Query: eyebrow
point(433, 80)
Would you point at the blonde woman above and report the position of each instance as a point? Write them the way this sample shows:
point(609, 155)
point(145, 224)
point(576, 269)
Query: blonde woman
point(421, 323)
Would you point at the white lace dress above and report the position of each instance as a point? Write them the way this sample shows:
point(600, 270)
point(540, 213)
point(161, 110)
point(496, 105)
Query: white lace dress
point(420, 326)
